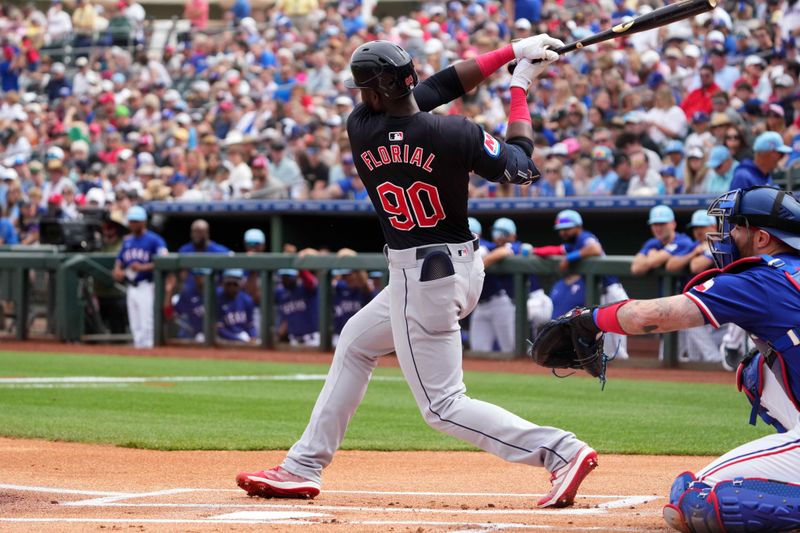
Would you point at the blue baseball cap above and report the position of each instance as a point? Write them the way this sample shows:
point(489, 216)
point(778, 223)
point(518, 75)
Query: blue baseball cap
point(506, 225)
point(340, 271)
point(602, 153)
point(770, 141)
point(254, 236)
point(668, 171)
point(700, 116)
point(291, 272)
point(568, 219)
point(236, 273)
point(719, 154)
point(673, 147)
point(661, 214)
point(475, 226)
point(137, 214)
point(701, 218)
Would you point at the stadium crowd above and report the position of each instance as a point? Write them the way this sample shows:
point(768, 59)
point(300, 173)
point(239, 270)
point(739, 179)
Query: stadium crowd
point(92, 113)
point(95, 114)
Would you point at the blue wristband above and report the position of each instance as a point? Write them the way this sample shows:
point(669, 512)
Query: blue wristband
point(574, 255)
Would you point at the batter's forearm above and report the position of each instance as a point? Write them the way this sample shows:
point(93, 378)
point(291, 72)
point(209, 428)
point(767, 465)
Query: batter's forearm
point(474, 71)
point(659, 315)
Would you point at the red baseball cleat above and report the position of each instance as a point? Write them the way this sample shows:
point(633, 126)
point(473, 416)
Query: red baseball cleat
point(276, 483)
point(567, 479)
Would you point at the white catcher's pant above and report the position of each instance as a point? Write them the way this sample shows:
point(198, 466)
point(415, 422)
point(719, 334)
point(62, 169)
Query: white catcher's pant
point(140, 313)
point(419, 319)
point(775, 457)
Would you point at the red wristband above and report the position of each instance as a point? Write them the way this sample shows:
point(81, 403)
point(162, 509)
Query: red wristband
point(547, 251)
point(491, 61)
point(606, 318)
point(518, 110)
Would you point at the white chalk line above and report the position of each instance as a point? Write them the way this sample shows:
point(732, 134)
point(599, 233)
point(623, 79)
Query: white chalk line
point(112, 499)
point(93, 381)
point(488, 526)
point(452, 494)
point(57, 490)
point(420, 510)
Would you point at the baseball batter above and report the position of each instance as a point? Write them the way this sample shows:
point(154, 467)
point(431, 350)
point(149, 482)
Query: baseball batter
point(134, 266)
point(755, 487)
point(415, 166)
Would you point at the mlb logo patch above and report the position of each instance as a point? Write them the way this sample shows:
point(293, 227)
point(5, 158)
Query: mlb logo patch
point(395, 135)
point(491, 145)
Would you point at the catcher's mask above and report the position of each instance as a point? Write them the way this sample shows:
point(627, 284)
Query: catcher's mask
point(767, 208)
point(384, 67)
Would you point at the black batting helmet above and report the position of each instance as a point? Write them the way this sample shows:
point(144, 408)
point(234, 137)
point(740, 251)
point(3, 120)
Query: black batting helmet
point(383, 67)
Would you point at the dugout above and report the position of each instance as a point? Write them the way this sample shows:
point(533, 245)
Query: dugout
point(619, 222)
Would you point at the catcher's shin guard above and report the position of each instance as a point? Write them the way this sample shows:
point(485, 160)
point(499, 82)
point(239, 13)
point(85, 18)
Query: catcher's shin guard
point(737, 506)
point(750, 505)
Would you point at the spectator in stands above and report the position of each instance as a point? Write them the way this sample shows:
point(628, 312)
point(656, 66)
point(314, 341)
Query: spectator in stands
point(59, 25)
point(286, 171)
point(673, 157)
point(721, 167)
point(298, 312)
point(700, 136)
point(553, 183)
point(735, 142)
point(769, 150)
point(624, 170)
point(694, 170)
point(604, 177)
point(196, 11)
point(8, 233)
point(665, 120)
point(84, 22)
point(28, 223)
point(665, 242)
point(645, 181)
point(699, 100)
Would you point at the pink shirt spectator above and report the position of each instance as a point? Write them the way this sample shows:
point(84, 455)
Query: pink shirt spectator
point(196, 11)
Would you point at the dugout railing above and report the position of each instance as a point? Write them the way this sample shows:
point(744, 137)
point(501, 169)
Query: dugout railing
point(67, 273)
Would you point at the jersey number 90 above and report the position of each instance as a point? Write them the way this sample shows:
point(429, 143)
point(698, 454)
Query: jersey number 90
point(406, 207)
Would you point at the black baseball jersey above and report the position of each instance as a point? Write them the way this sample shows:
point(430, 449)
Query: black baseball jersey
point(416, 168)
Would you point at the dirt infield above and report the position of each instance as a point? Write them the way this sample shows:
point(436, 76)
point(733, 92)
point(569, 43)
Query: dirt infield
point(56, 486)
point(52, 486)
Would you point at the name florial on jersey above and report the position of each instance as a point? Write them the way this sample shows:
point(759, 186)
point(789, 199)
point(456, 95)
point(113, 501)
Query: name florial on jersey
point(397, 153)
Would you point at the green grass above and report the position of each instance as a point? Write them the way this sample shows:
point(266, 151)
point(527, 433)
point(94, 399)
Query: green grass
point(628, 417)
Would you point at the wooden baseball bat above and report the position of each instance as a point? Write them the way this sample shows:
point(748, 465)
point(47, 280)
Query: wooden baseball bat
point(655, 19)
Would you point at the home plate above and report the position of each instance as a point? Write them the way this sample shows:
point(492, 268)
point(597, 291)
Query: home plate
point(266, 515)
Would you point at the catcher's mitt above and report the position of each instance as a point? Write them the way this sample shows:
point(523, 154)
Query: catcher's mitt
point(572, 340)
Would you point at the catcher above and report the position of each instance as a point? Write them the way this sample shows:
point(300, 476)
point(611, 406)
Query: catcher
point(755, 487)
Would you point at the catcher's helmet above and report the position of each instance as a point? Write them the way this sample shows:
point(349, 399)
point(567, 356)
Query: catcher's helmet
point(383, 67)
point(770, 209)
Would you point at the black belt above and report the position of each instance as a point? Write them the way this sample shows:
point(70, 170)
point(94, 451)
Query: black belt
point(424, 251)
